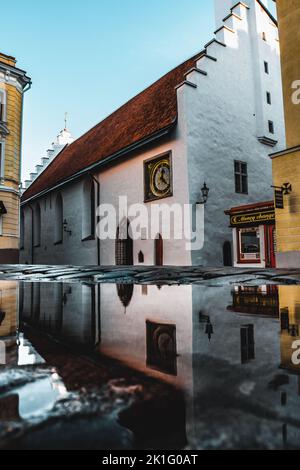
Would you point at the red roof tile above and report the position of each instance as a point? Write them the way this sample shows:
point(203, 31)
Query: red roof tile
point(153, 110)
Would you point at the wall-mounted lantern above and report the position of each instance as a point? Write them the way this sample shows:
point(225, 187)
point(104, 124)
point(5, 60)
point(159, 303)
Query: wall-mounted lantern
point(65, 226)
point(205, 192)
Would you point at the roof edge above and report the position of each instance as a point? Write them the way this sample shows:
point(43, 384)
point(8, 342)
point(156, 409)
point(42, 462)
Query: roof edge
point(105, 161)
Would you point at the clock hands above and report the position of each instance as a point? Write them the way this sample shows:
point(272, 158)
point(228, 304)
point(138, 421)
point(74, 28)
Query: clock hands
point(162, 176)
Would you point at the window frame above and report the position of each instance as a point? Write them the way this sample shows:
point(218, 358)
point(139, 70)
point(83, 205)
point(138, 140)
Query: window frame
point(241, 175)
point(3, 102)
point(271, 127)
point(2, 157)
point(248, 258)
point(266, 67)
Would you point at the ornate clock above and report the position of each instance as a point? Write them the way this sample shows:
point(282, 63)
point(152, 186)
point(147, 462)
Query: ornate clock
point(158, 178)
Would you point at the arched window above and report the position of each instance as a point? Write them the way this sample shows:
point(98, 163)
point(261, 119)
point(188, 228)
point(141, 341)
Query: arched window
point(22, 229)
point(124, 245)
point(37, 225)
point(159, 251)
point(88, 210)
point(58, 227)
point(125, 293)
point(227, 254)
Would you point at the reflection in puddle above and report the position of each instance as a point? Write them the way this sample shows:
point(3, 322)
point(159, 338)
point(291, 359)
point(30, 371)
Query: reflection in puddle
point(32, 400)
point(229, 349)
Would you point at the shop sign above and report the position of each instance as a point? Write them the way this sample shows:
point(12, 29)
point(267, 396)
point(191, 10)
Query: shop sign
point(253, 218)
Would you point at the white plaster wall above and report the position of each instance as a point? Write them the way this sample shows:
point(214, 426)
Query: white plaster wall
point(222, 126)
point(123, 332)
point(73, 250)
point(127, 179)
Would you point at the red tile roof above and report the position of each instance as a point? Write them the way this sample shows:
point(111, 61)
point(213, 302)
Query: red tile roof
point(150, 112)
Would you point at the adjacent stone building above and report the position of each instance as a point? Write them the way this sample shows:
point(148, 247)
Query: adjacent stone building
point(210, 122)
point(13, 84)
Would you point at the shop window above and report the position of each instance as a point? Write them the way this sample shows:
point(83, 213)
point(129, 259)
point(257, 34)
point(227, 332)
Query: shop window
point(249, 245)
point(241, 177)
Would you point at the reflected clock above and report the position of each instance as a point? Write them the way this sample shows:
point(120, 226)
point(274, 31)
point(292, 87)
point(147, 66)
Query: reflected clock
point(158, 178)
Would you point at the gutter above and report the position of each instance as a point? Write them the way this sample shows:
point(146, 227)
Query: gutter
point(104, 162)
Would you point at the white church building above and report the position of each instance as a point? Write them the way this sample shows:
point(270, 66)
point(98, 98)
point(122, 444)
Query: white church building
point(211, 122)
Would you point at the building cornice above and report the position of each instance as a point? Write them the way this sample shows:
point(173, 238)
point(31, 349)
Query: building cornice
point(285, 152)
point(19, 74)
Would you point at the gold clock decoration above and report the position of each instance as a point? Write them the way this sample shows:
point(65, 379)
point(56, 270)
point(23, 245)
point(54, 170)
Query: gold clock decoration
point(158, 178)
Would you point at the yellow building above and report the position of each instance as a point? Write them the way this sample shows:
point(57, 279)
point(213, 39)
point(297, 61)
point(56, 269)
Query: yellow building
point(286, 164)
point(13, 83)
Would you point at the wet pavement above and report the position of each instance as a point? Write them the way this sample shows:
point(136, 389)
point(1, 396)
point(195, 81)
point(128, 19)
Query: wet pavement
point(150, 365)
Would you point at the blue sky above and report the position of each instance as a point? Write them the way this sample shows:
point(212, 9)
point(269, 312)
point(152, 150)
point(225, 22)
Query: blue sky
point(87, 57)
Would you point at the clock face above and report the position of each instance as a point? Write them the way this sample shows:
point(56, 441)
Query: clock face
point(158, 178)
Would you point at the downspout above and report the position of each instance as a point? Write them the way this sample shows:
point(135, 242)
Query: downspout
point(98, 204)
point(32, 241)
point(98, 259)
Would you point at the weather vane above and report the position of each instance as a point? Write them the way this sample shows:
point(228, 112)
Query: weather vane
point(66, 116)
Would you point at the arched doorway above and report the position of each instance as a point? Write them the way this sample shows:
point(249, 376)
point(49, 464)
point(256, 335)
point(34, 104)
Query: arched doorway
point(159, 251)
point(124, 245)
point(227, 254)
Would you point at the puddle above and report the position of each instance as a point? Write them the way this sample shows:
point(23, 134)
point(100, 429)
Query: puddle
point(221, 364)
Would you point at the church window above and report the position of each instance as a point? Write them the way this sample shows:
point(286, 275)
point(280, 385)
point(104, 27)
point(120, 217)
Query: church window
point(124, 245)
point(58, 227)
point(241, 177)
point(89, 210)
point(37, 226)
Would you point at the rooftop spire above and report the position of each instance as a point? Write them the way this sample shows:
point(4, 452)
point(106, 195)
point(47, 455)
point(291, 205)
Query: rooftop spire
point(66, 117)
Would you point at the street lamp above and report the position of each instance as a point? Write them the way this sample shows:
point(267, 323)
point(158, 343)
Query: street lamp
point(205, 192)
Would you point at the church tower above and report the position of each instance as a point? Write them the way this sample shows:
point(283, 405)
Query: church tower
point(13, 84)
point(286, 164)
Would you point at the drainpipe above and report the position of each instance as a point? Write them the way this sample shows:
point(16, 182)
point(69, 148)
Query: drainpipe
point(98, 204)
point(32, 241)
